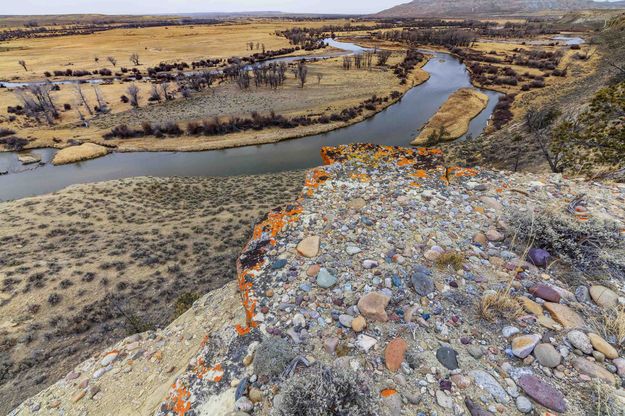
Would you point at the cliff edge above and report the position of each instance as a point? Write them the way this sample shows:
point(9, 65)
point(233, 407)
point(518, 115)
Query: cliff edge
point(394, 284)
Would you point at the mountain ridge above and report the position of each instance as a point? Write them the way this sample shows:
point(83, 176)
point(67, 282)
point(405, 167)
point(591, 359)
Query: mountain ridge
point(461, 8)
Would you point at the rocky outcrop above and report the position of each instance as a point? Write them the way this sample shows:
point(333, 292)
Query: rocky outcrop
point(378, 219)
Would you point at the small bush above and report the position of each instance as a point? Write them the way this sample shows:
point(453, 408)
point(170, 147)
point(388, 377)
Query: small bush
point(272, 356)
point(184, 302)
point(595, 246)
point(327, 391)
point(451, 259)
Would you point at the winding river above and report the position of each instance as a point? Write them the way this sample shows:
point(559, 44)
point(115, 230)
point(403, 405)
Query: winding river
point(396, 125)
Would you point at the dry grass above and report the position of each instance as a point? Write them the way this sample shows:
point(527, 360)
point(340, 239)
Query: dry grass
point(500, 305)
point(615, 323)
point(451, 259)
point(74, 154)
point(454, 116)
point(135, 244)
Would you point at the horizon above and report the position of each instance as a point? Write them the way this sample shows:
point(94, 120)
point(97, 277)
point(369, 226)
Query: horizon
point(165, 7)
point(174, 7)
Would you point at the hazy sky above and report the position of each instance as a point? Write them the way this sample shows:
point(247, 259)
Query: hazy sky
point(29, 7)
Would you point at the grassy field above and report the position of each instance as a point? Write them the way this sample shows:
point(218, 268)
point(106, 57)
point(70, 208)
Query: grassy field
point(74, 262)
point(454, 116)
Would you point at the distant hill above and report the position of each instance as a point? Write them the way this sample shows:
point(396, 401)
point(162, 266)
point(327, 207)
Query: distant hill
point(461, 8)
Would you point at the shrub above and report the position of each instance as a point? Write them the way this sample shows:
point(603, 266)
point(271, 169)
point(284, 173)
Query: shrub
point(184, 303)
point(594, 246)
point(5, 132)
point(324, 390)
point(272, 356)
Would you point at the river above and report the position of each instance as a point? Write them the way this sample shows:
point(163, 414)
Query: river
point(396, 125)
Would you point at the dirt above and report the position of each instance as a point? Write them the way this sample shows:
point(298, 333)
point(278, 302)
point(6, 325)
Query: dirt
point(89, 265)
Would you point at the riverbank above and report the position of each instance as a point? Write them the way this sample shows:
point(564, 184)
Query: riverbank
point(334, 91)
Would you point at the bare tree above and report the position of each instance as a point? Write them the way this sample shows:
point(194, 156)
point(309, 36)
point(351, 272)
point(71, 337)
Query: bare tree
point(134, 58)
point(83, 99)
point(538, 123)
point(112, 60)
point(301, 73)
point(23, 64)
point(37, 101)
point(347, 63)
point(383, 57)
point(165, 89)
point(133, 93)
point(319, 78)
point(154, 94)
point(102, 106)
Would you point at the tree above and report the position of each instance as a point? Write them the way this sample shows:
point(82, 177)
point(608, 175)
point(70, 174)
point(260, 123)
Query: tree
point(538, 123)
point(83, 99)
point(134, 58)
point(383, 57)
point(112, 60)
point(319, 77)
point(301, 73)
point(102, 106)
point(37, 101)
point(23, 64)
point(133, 93)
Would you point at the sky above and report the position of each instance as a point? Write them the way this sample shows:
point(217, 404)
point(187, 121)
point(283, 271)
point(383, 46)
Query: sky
point(32, 7)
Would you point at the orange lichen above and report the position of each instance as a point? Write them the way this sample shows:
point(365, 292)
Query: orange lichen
point(388, 392)
point(419, 173)
point(318, 177)
point(181, 400)
point(362, 177)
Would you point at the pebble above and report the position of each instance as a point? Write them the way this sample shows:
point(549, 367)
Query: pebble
point(593, 370)
point(365, 342)
point(603, 346)
point(309, 246)
point(395, 353)
point(488, 383)
point(421, 280)
point(523, 345)
point(547, 355)
point(325, 279)
point(244, 405)
point(523, 404)
point(604, 296)
point(542, 392)
point(448, 357)
point(359, 324)
point(564, 315)
point(372, 306)
point(580, 340)
point(545, 292)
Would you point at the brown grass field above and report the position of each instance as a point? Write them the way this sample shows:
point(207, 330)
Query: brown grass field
point(454, 116)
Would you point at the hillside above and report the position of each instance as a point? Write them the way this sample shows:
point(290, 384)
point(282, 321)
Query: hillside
point(463, 8)
point(393, 284)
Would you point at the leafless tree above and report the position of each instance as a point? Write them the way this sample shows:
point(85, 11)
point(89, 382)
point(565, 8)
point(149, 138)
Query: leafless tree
point(538, 122)
point(358, 61)
point(165, 89)
point(347, 63)
point(37, 101)
point(319, 78)
point(383, 57)
point(368, 58)
point(154, 94)
point(102, 106)
point(133, 93)
point(23, 64)
point(301, 73)
point(82, 99)
point(134, 58)
point(112, 60)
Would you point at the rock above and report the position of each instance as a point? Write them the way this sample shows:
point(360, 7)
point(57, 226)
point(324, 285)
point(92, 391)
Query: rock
point(392, 402)
point(421, 280)
point(278, 264)
point(325, 279)
point(542, 392)
point(509, 331)
point(255, 395)
point(480, 238)
point(523, 345)
point(359, 323)
point(538, 257)
point(109, 358)
point(492, 203)
point(372, 306)
point(602, 346)
point(330, 344)
point(547, 355)
point(582, 294)
point(580, 340)
point(494, 235)
point(244, 405)
point(593, 370)
point(444, 400)
point(352, 250)
point(79, 395)
point(309, 246)
point(346, 320)
point(395, 353)
point(365, 342)
point(523, 404)
point(475, 409)
point(531, 306)
point(299, 320)
point(28, 158)
point(545, 292)
point(475, 351)
point(487, 382)
point(620, 366)
point(461, 381)
point(357, 204)
point(448, 357)
point(604, 296)
point(369, 264)
point(565, 315)
point(313, 270)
